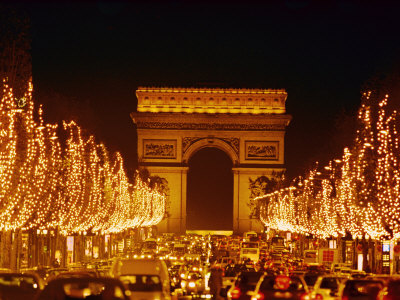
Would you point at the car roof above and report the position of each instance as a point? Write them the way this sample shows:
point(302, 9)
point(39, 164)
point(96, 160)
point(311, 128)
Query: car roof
point(50, 291)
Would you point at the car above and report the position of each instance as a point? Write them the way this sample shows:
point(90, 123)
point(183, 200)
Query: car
point(234, 247)
point(335, 267)
point(391, 290)
point(361, 289)
point(245, 282)
point(276, 287)
point(17, 286)
point(327, 287)
point(52, 273)
point(345, 271)
point(94, 288)
point(77, 273)
point(224, 261)
point(357, 274)
point(229, 276)
point(223, 245)
point(385, 278)
point(311, 278)
point(194, 284)
point(144, 278)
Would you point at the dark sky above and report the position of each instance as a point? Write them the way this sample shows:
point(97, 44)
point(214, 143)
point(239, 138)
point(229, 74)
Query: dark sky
point(95, 54)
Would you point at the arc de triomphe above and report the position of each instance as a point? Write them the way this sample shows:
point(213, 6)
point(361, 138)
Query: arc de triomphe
point(247, 124)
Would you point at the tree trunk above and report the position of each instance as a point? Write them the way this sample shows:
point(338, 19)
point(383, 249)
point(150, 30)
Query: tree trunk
point(15, 249)
point(365, 249)
point(3, 239)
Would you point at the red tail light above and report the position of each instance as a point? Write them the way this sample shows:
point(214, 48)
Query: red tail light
point(305, 296)
point(259, 296)
point(235, 293)
point(319, 297)
point(345, 298)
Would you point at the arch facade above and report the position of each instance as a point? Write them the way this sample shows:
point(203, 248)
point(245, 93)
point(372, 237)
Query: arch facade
point(213, 143)
point(174, 123)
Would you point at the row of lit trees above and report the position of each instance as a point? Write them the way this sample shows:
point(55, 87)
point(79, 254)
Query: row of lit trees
point(358, 194)
point(74, 186)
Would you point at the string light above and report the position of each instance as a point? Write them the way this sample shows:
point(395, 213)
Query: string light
point(76, 189)
point(360, 195)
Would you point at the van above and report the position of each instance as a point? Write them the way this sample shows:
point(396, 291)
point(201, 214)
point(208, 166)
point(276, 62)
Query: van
point(310, 256)
point(145, 279)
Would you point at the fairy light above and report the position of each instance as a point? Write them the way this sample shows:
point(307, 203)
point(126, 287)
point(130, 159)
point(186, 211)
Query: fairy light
point(76, 189)
point(366, 198)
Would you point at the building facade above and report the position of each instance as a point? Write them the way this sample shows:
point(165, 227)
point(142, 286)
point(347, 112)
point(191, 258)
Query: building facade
point(247, 124)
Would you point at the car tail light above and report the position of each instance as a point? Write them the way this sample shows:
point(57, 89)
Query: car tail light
point(305, 296)
point(258, 296)
point(319, 297)
point(235, 293)
point(345, 298)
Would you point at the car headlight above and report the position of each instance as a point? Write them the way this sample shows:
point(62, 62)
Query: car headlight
point(191, 284)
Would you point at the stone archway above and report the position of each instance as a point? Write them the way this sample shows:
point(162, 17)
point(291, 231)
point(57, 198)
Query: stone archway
point(209, 201)
point(173, 124)
point(195, 144)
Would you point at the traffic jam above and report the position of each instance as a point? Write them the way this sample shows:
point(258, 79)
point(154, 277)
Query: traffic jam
point(171, 267)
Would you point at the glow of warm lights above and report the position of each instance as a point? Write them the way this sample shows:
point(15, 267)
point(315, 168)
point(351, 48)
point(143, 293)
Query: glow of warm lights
point(358, 194)
point(77, 189)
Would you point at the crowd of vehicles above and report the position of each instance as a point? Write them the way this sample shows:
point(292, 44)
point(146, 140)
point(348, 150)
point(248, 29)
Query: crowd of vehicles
point(162, 268)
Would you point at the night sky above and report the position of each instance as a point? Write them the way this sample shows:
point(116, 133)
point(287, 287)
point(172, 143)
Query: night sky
point(89, 58)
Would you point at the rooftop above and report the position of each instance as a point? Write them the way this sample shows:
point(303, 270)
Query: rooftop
point(211, 100)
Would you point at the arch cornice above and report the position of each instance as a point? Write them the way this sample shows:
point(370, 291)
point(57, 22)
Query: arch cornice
point(211, 142)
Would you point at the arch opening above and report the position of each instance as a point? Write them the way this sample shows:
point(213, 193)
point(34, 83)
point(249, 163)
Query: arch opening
point(210, 191)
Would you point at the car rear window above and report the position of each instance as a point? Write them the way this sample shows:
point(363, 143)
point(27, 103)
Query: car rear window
point(329, 283)
point(362, 287)
point(310, 279)
point(231, 272)
point(91, 290)
point(19, 281)
point(142, 283)
point(249, 279)
point(291, 284)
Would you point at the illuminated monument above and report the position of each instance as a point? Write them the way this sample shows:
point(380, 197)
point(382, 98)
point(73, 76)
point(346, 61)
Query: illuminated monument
point(247, 124)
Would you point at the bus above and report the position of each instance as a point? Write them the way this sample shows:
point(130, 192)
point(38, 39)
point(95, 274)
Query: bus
point(249, 250)
point(250, 236)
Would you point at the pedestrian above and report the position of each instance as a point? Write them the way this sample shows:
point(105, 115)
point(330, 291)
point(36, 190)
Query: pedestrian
point(56, 264)
point(368, 269)
point(215, 282)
